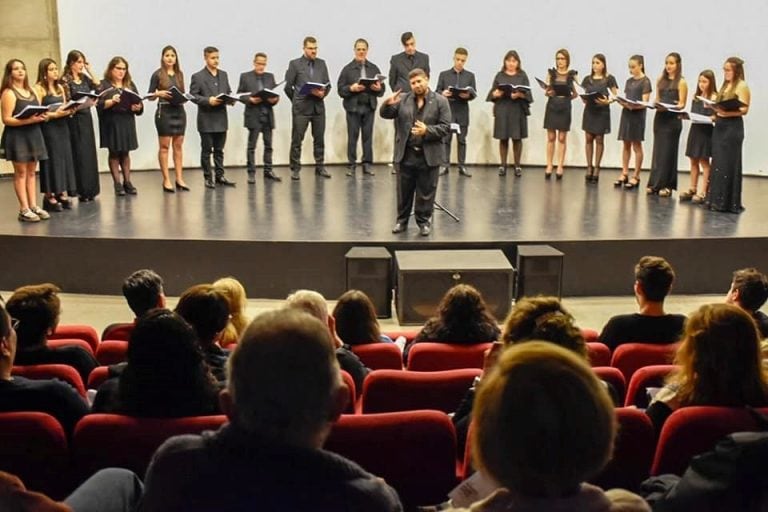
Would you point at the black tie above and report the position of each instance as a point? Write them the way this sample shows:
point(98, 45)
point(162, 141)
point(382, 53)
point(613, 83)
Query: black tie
point(311, 69)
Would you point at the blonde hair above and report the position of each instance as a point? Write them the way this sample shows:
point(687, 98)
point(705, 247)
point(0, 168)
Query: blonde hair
point(310, 302)
point(237, 301)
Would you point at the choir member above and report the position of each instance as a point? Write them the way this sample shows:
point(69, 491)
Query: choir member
point(557, 116)
point(596, 123)
point(632, 125)
point(699, 146)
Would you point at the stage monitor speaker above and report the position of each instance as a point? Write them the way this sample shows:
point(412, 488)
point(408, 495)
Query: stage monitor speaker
point(369, 269)
point(539, 271)
point(423, 277)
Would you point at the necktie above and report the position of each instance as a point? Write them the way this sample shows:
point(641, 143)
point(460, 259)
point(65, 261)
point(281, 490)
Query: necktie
point(259, 84)
point(311, 69)
point(362, 70)
point(457, 79)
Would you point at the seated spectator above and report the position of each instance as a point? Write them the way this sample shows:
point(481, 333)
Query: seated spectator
point(143, 290)
point(283, 394)
point(313, 303)
point(206, 310)
point(37, 308)
point(653, 281)
point(544, 426)
point(236, 301)
point(749, 291)
point(720, 364)
point(165, 376)
point(462, 317)
point(356, 322)
point(53, 397)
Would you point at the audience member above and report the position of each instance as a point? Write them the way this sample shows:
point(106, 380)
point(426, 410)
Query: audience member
point(720, 364)
point(653, 281)
point(237, 301)
point(544, 426)
point(143, 290)
point(356, 322)
point(53, 396)
point(37, 308)
point(166, 375)
point(284, 392)
point(207, 311)
point(313, 303)
point(749, 291)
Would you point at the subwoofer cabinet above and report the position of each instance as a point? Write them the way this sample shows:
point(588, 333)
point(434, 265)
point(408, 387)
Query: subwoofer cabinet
point(539, 271)
point(369, 269)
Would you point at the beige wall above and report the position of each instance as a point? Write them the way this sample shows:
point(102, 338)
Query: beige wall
point(30, 33)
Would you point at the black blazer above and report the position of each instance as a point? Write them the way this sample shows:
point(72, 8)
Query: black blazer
point(248, 83)
point(459, 107)
point(437, 117)
point(298, 75)
point(203, 86)
point(350, 75)
point(399, 67)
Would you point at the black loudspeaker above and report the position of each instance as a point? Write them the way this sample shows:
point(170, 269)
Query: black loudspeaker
point(369, 269)
point(423, 277)
point(539, 271)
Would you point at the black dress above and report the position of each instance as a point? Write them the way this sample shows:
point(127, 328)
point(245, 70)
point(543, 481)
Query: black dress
point(83, 142)
point(725, 179)
point(666, 138)
point(117, 125)
point(700, 135)
point(632, 124)
point(557, 115)
point(57, 174)
point(24, 143)
point(597, 118)
point(170, 119)
point(510, 117)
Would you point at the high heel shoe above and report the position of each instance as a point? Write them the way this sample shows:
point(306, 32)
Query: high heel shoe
point(559, 175)
point(547, 175)
point(622, 181)
point(629, 185)
point(168, 190)
point(179, 186)
point(588, 175)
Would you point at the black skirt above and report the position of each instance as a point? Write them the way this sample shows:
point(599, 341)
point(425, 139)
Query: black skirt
point(57, 174)
point(725, 180)
point(666, 143)
point(170, 120)
point(557, 115)
point(632, 125)
point(83, 140)
point(118, 131)
point(699, 141)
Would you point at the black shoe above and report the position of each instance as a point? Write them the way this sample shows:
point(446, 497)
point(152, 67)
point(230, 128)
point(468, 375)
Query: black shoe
point(559, 176)
point(224, 181)
point(518, 172)
point(209, 183)
point(251, 178)
point(443, 170)
point(394, 170)
point(350, 170)
point(119, 190)
point(464, 172)
point(322, 171)
point(502, 170)
point(129, 188)
point(169, 190)
point(50, 206)
point(367, 170)
point(269, 175)
point(65, 202)
point(295, 175)
point(182, 187)
point(547, 175)
point(399, 227)
point(425, 230)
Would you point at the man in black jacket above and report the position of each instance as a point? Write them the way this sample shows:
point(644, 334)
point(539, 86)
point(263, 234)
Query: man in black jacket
point(458, 78)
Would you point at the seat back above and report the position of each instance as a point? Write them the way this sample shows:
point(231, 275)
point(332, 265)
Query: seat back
point(112, 352)
point(379, 356)
point(431, 357)
point(409, 335)
point(613, 377)
point(69, 342)
point(62, 372)
point(644, 378)
point(350, 383)
point(590, 335)
point(415, 452)
point(118, 331)
point(632, 453)
point(98, 376)
point(599, 354)
point(632, 356)
point(77, 331)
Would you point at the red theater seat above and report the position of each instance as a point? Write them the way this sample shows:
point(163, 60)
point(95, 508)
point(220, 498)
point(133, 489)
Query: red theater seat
point(643, 378)
point(52, 371)
point(77, 331)
point(118, 331)
point(589, 335)
point(632, 454)
point(69, 342)
point(613, 377)
point(98, 376)
point(112, 352)
point(599, 354)
point(380, 356)
point(630, 357)
point(431, 357)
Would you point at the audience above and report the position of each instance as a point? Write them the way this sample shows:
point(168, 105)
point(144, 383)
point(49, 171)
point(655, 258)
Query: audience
point(206, 310)
point(720, 364)
point(653, 281)
point(544, 425)
point(283, 394)
point(313, 303)
point(53, 396)
point(356, 322)
point(462, 317)
point(37, 308)
point(749, 291)
point(236, 301)
point(143, 290)
point(166, 375)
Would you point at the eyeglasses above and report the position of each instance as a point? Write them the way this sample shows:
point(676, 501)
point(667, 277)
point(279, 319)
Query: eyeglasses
point(120, 68)
point(15, 323)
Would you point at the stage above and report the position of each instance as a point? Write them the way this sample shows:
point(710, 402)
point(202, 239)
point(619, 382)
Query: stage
point(277, 237)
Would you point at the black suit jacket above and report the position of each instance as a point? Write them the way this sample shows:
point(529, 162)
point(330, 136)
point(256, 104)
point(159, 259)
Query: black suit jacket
point(399, 67)
point(350, 75)
point(249, 83)
point(459, 107)
point(437, 117)
point(298, 75)
point(203, 86)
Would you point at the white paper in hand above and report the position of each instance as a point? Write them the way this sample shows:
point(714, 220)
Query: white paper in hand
point(475, 488)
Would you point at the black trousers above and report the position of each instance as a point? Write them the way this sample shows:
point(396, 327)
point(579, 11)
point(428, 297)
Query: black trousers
point(212, 143)
point(461, 139)
point(253, 139)
point(360, 123)
point(416, 181)
point(300, 124)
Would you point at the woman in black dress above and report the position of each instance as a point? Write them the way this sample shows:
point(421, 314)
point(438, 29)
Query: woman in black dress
point(57, 174)
point(511, 97)
point(671, 92)
point(117, 123)
point(557, 117)
point(170, 117)
point(22, 140)
point(597, 114)
point(727, 139)
point(699, 146)
point(632, 125)
point(80, 79)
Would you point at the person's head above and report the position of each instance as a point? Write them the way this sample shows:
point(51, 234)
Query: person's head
point(143, 290)
point(749, 289)
point(653, 279)
point(7, 342)
point(719, 359)
point(75, 63)
point(15, 73)
point(211, 56)
point(673, 66)
point(355, 317)
point(260, 62)
point(117, 71)
point(599, 65)
point(169, 59)
point(463, 304)
point(310, 47)
point(206, 309)
point(313, 303)
point(408, 41)
point(733, 69)
point(419, 81)
point(706, 85)
point(460, 58)
point(37, 307)
point(511, 63)
point(237, 300)
point(361, 50)
point(636, 65)
point(283, 380)
point(569, 428)
point(562, 59)
point(545, 319)
point(47, 73)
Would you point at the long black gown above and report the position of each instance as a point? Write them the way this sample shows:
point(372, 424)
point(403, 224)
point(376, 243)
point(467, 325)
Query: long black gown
point(667, 127)
point(83, 139)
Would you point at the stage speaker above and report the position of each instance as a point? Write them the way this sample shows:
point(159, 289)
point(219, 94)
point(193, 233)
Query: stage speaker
point(539, 271)
point(369, 269)
point(423, 277)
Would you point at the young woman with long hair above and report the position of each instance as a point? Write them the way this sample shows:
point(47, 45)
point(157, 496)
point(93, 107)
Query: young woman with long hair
point(596, 122)
point(699, 146)
point(632, 125)
point(557, 117)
